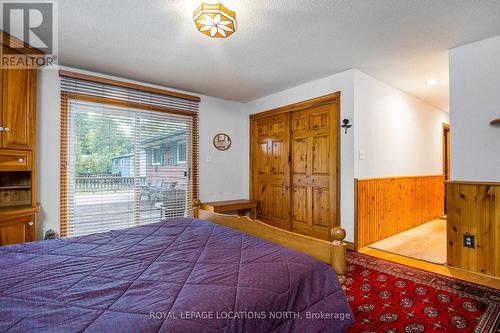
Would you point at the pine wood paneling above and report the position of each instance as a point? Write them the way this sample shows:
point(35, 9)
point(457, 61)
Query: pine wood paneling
point(387, 206)
point(474, 209)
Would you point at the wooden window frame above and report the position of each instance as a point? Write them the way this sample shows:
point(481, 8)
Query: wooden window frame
point(65, 97)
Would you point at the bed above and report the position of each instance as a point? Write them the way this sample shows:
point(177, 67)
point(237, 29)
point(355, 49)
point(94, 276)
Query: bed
point(180, 275)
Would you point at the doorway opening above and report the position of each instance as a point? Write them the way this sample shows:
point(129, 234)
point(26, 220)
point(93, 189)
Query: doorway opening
point(446, 156)
point(406, 215)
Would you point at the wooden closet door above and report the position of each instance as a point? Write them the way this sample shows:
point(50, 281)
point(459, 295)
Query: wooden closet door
point(314, 170)
point(270, 152)
point(18, 108)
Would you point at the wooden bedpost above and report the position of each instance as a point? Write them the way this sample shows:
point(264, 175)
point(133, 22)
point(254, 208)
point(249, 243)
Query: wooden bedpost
point(196, 207)
point(338, 253)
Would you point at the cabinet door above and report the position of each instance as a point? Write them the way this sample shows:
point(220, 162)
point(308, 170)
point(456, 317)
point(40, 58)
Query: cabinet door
point(271, 169)
point(18, 108)
point(314, 171)
point(19, 230)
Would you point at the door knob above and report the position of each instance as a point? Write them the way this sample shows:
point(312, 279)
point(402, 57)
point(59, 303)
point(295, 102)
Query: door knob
point(30, 224)
point(6, 129)
point(20, 160)
point(1, 129)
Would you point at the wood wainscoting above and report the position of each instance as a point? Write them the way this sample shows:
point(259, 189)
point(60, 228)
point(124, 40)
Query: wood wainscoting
point(387, 206)
point(474, 209)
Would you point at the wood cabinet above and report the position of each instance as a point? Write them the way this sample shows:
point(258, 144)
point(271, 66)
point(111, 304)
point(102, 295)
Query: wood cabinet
point(294, 166)
point(19, 229)
point(17, 154)
point(17, 126)
point(15, 160)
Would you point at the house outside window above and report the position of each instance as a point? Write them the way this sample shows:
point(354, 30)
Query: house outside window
point(157, 158)
point(181, 152)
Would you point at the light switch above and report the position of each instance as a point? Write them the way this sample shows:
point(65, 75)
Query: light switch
point(362, 154)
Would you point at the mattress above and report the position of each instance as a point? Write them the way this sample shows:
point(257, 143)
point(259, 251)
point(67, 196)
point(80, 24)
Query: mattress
point(181, 275)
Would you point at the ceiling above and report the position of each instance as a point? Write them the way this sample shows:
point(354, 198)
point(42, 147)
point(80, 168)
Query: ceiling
point(279, 43)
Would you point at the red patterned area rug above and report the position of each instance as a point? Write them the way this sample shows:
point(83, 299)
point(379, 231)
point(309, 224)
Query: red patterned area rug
point(389, 297)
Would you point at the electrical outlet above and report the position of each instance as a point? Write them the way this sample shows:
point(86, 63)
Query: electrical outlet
point(469, 241)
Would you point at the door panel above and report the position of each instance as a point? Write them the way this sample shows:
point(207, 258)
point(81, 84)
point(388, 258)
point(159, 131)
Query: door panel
point(18, 108)
point(277, 152)
point(300, 122)
point(320, 207)
point(271, 169)
point(299, 155)
point(300, 204)
point(294, 158)
point(320, 155)
point(314, 160)
point(320, 120)
point(262, 153)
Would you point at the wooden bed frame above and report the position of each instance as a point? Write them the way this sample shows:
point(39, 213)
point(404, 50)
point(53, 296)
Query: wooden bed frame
point(332, 253)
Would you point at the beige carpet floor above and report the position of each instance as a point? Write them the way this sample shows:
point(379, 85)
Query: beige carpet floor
point(425, 242)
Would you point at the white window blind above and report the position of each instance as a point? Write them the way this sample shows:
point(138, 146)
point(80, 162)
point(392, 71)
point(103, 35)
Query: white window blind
point(130, 158)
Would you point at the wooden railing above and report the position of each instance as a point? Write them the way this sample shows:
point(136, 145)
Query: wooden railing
point(105, 183)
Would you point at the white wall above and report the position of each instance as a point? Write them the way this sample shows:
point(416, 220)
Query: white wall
point(343, 82)
point(395, 134)
point(223, 175)
point(399, 134)
point(474, 102)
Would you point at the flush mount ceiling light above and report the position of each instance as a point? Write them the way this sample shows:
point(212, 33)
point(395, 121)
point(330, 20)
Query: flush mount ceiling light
point(432, 82)
point(215, 21)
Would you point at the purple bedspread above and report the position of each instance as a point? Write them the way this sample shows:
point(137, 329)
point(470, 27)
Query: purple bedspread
point(182, 275)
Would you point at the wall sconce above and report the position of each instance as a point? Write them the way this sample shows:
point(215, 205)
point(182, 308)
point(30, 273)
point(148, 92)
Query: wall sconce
point(345, 125)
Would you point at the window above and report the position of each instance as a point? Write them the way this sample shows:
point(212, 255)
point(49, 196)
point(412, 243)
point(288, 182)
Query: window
point(157, 156)
point(181, 152)
point(99, 133)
